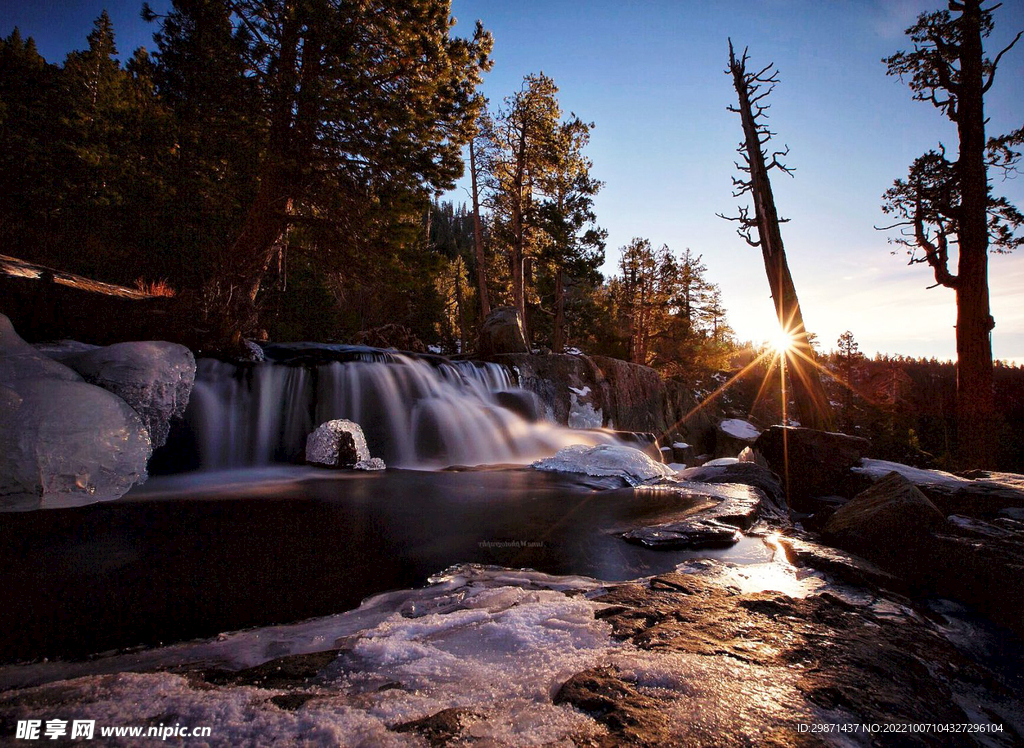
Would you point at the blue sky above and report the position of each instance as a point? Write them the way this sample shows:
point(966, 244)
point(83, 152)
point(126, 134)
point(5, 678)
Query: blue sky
point(650, 76)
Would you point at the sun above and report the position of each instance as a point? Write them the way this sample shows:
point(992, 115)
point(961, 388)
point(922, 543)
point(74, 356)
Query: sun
point(782, 341)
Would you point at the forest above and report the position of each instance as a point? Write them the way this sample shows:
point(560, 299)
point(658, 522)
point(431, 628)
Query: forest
point(287, 175)
point(142, 174)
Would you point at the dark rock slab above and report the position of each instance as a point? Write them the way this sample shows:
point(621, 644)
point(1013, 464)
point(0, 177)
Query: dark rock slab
point(745, 473)
point(817, 462)
point(838, 656)
point(891, 515)
point(689, 533)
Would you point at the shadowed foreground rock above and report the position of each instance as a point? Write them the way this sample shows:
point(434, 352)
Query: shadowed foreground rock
point(818, 462)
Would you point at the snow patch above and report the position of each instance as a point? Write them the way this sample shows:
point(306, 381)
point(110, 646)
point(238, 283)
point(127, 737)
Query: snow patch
point(877, 469)
point(740, 429)
point(583, 415)
point(632, 465)
point(721, 461)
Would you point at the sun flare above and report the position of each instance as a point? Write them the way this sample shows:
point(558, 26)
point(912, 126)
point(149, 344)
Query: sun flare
point(782, 341)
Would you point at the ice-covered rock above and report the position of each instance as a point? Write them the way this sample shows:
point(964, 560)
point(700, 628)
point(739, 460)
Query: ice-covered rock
point(58, 350)
point(878, 469)
point(374, 463)
point(338, 443)
point(253, 351)
point(66, 443)
point(154, 377)
point(21, 362)
point(632, 465)
point(62, 442)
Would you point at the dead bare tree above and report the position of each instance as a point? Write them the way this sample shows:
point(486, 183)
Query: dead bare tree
point(752, 88)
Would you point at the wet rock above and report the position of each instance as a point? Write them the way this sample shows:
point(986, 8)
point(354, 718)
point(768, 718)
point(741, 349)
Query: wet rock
point(521, 402)
point(887, 521)
point(685, 534)
point(818, 462)
point(733, 435)
point(824, 655)
point(502, 332)
point(632, 717)
point(682, 453)
point(842, 566)
point(443, 727)
point(746, 473)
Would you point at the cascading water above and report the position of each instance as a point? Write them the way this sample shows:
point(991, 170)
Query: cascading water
point(414, 412)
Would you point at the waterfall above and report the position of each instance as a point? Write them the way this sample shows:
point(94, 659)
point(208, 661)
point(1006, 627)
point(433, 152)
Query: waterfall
point(415, 412)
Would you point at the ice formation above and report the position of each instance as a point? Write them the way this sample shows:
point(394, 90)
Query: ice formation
point(583, 415)
point(374, 463)
point(326, 445)
point(628, 463)
point(154, 377)
point(62, 442)
point(66, 443)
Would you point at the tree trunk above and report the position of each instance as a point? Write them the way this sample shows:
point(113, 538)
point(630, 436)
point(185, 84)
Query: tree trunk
point(478, 240)
point(812, 404)
point(458, 305)
point(974, 323)
point(558, 334)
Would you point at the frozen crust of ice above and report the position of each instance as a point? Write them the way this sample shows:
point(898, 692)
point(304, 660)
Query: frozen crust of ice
point(323, 446)
point(740, 429)
point(66, 443)
point(628, 463)
point(498, 642)
point(154, 377)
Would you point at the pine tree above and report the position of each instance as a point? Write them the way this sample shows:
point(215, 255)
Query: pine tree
point(946, 205)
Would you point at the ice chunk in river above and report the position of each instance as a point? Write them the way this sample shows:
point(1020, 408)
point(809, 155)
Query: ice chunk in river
point(632, 465)
point(62, 442)
point(66, 443)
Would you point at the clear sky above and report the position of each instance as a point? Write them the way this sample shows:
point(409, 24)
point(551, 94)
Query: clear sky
point(650, 76)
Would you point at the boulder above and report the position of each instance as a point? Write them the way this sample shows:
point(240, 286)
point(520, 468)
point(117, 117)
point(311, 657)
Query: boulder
point(154, 377)
point(889, 521)
point(744, 473)
point(502, 332)
point(567, 387)
point(816, 463)
point(635, 395)
point(337, 444)
point(733, 435)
